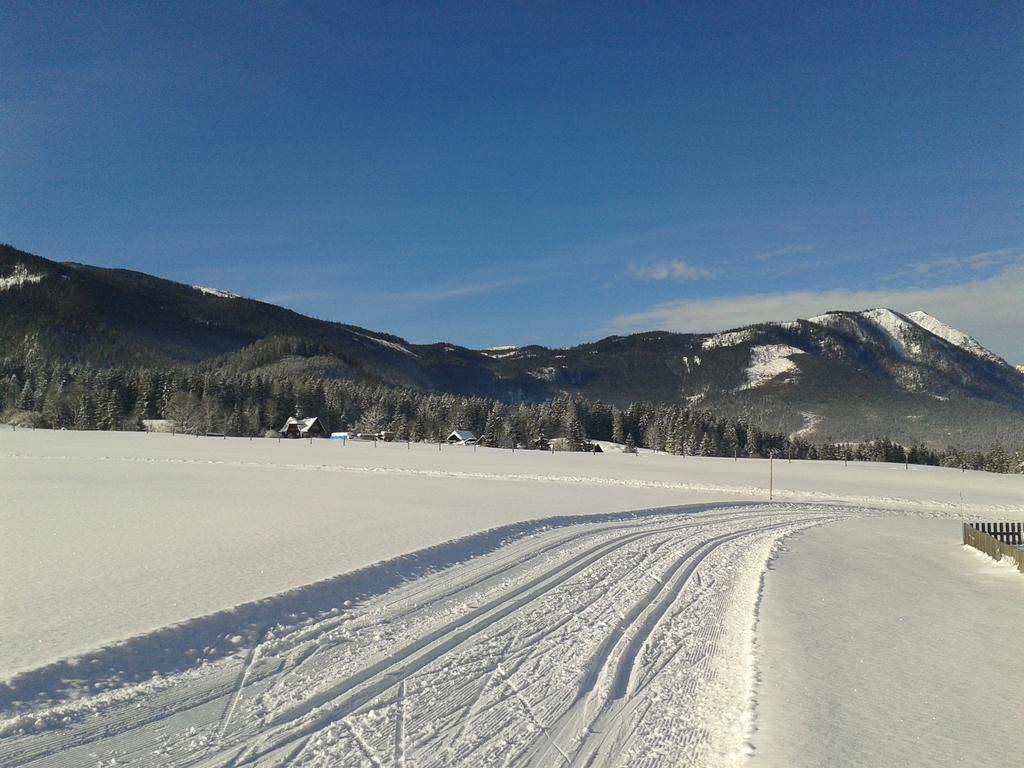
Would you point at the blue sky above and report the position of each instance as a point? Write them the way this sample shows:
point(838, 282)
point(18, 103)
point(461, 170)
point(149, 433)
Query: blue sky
point(491, 173)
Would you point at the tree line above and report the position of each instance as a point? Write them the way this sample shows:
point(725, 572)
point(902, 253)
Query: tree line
point(237, 401)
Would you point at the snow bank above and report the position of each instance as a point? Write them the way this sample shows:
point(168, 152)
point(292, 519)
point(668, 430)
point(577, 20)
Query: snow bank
point(883, 642)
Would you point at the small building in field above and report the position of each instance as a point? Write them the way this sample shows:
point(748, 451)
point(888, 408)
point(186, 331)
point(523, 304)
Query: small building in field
point(297, 427)
point(461, 437)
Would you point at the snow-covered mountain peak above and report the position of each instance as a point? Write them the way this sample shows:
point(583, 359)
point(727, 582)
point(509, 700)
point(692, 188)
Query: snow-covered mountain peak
point(899, 329)
point(829, 318)
point(952, 335)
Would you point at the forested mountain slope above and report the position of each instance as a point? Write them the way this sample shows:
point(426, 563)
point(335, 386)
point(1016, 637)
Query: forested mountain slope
point(841, 376)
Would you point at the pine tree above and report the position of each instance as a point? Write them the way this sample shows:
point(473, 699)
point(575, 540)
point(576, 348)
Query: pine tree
point(630, 444)
point(494, 430)
point(573, 429)
point(617, 432)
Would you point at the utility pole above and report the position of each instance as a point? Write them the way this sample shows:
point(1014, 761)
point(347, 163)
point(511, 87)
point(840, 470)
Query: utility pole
point(771, 475)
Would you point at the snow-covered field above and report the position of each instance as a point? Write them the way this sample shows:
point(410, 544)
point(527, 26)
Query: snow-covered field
point(899, 647)
point(198, 601)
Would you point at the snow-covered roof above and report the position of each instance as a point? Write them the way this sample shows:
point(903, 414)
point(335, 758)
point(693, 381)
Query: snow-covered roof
point(303, 424)
point(462, 434)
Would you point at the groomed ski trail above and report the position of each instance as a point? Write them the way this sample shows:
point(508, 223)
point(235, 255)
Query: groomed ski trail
point(618, 642)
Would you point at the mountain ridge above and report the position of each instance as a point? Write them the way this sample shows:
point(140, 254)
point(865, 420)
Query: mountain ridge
point(843, 374)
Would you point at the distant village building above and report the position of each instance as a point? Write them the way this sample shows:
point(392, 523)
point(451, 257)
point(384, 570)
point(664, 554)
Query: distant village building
point(299, 427)
point(462, 437)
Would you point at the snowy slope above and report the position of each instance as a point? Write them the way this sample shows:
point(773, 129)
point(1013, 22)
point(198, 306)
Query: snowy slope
point(953, 336)
point(20, 276)
point(899, 330)
point(219, 293)
point(768, 362)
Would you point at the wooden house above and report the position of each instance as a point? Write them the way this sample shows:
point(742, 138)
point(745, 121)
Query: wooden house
point(298, 427)
point(461, 437)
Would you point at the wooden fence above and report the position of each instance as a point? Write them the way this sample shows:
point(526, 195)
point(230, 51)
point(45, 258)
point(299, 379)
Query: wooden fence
point(997, 540)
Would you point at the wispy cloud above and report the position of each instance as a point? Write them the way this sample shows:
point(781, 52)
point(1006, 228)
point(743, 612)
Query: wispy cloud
point(448, 293)
point(676, 271)
point(988, 308)
point(953, 265)
point(787, 250)
point(300, 296)
point(418, 296)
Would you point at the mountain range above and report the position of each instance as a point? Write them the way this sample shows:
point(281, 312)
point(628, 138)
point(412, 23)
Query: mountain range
point(839, 376)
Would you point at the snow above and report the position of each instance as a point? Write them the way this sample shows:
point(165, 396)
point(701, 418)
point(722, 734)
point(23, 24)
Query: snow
point(727, 339)
point(884, 642)
point(811, 422)
point(767, 361)
point(176, 600)
point(547, 373)
point(216, 292)
point(393, 345)
point(840, 321)
point(568, 642)
point(899, 330)
point(500, 353)
point(953, 336)
point(20, 276)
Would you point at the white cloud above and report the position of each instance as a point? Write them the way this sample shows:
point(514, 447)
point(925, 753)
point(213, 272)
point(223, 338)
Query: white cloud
point(990, 309)
point(677, 270)
point(448, 293)
point(952, 265)
point(787, 250)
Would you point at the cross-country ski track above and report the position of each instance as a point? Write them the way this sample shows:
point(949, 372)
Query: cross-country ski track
point(625, 640)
